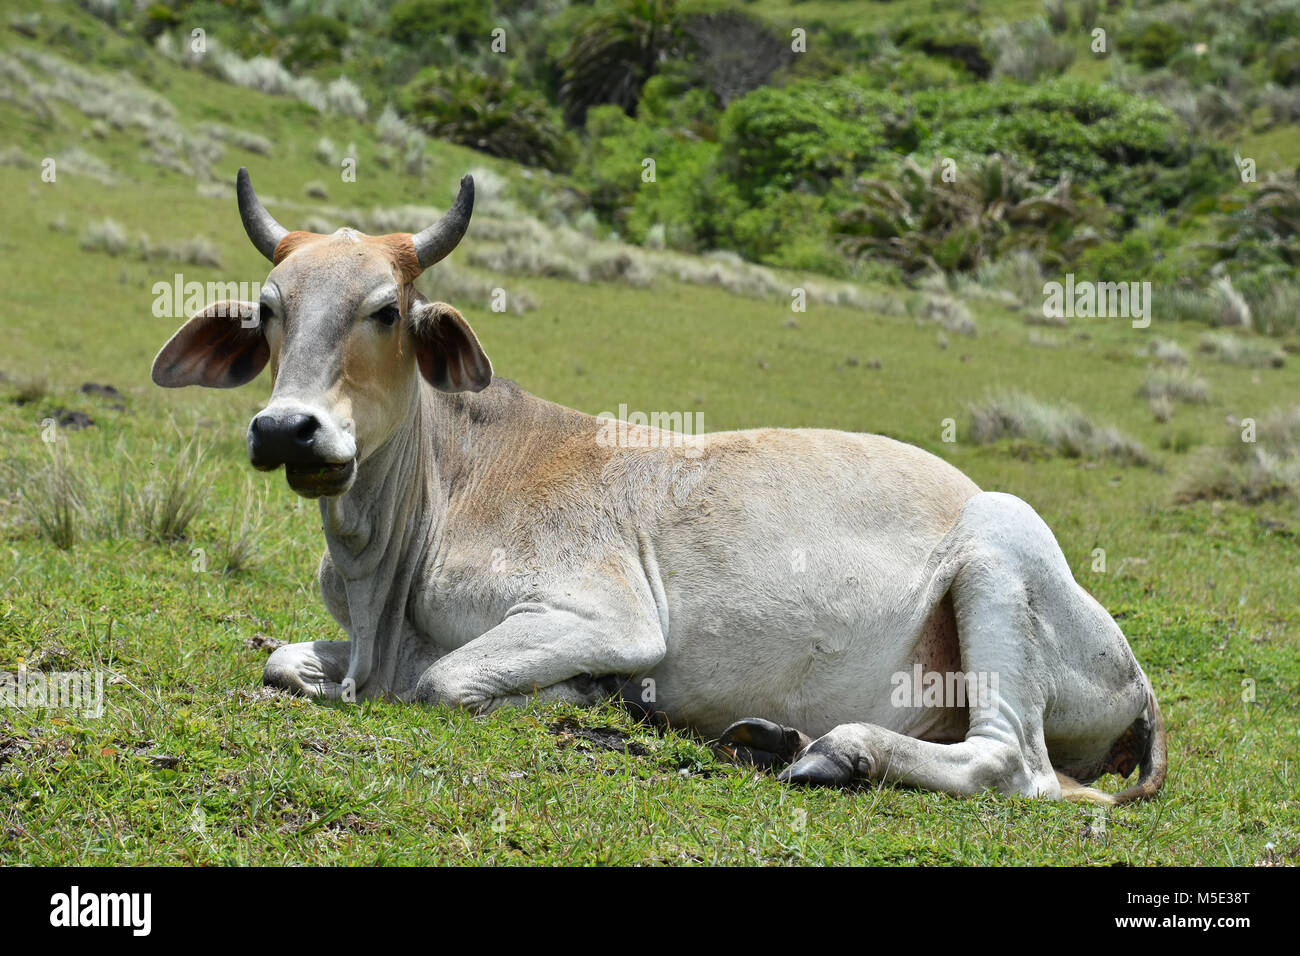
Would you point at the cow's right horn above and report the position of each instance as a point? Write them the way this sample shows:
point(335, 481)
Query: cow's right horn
point(260, 225)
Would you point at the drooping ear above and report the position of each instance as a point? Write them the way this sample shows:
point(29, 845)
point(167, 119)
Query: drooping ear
point(447, 349)
point(221, 347)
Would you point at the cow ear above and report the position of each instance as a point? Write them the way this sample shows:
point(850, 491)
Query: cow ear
point(221, 347)
point(447, 349)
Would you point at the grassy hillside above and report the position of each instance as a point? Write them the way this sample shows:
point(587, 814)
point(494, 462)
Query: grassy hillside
point(194, 762)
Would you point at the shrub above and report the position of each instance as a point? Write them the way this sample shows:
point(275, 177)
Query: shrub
point(1233, 309)
point(314, 39)
point(804, 136)
point(1153, 45)
point(1027, 51)
point(1235, 350)
point(488, 112)
point(1251, 472)
point(960, 44)
point(927, 221)
point(423, 25)
point(1166, 352)
point(1284, 61)
point(1061, 125)
point(1060, 429)
point(106, 235)
point(1174, 385)
point(343, 96)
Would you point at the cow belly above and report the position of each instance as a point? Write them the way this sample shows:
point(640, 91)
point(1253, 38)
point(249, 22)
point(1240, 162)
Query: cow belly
point(807, 670)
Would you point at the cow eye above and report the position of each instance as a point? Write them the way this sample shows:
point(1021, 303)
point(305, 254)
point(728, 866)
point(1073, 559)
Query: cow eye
point(387, 315)
point(266, 314)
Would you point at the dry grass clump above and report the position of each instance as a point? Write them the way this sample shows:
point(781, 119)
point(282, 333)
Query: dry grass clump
point(1249, 471)
point(1060, 429)
point(1234, 349)
point(1174, 385)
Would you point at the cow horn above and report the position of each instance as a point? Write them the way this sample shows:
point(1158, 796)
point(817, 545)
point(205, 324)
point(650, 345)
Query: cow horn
point(438, 240)
point(260, 225)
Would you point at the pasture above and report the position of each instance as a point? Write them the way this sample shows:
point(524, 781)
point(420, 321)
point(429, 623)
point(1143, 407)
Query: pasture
point(144, 546)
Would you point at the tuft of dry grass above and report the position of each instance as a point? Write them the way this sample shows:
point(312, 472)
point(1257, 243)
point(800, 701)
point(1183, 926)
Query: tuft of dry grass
point(1061, 429)
point(53, 495)
point(1246, 470)
point(173, 494)
point(1234, 349)
point(1165, 352)
point(1174, 385)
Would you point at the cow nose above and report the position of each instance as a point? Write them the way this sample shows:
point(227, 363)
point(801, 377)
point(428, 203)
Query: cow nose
point(274, 440)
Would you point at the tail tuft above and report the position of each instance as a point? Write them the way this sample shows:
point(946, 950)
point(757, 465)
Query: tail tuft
point(1076, 792)
point(1153, 759)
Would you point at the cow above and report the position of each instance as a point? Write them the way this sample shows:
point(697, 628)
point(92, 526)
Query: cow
point(779, 591)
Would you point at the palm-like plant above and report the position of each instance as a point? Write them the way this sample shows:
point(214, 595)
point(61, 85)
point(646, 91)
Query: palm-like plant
point(614, 52)
point(926, 221)
point(1269, 221)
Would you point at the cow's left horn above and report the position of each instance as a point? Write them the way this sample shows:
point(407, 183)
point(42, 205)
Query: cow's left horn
point(260, 225)
point(438, 240)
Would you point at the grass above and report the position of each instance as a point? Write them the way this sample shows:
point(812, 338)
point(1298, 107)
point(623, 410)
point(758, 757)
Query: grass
point(193, 762)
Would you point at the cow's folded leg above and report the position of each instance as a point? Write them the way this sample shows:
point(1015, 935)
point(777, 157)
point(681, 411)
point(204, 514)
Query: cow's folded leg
point(544, 653)
point(866, 751)
point(312, 668)
point(760, 743)
point(583, 690)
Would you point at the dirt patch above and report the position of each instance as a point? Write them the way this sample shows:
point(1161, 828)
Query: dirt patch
point(70, 418)
point(572, 733)
point(116, 402)
point(262, 642)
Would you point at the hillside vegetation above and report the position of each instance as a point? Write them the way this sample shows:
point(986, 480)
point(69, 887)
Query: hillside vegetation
point(135, 540)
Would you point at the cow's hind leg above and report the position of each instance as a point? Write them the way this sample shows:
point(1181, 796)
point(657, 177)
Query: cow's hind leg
point(1008, 582)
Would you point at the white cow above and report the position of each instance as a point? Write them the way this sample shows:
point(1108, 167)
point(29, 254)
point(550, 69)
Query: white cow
point(784, 590)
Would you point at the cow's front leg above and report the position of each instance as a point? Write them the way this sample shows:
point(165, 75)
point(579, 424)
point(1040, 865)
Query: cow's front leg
point(312, 668)
point(546, 652)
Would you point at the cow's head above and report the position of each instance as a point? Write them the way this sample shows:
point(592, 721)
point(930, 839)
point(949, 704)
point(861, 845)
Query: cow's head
point(347, 338)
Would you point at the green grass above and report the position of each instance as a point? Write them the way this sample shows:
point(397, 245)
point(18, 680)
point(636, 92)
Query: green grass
point(1205, 592)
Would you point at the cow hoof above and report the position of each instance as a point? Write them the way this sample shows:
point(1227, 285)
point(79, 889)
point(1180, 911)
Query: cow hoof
point(760, 743)
point(818, 769)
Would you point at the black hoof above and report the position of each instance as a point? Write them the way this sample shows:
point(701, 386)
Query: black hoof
point(744, 756)
point(761, 742)
point(820, 770)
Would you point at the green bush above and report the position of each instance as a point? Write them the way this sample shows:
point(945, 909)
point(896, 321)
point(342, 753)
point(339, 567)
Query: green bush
point(1284, 62)
point(809, 134)
point(488, 112)
point(315, 40)
point(960, 44)
point(424, 24)
point(1154, 45)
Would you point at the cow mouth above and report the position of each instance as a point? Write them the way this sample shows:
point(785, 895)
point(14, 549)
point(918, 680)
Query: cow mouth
point(321, 480)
